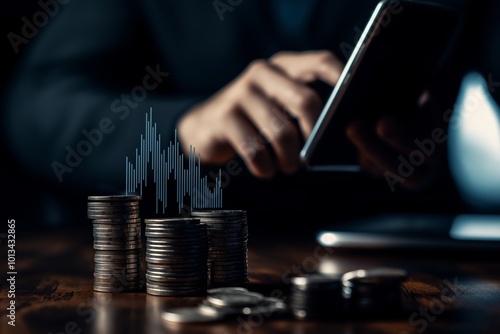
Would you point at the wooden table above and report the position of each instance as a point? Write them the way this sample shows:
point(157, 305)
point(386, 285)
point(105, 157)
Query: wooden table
point(445, 293)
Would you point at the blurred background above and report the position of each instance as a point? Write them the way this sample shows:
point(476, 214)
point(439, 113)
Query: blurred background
point(37, 202)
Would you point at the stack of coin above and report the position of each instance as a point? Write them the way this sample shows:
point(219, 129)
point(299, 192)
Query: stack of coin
point(375, 290)
point(225, 303)
point(316, 296)
point(117, 242)
point(176, 257)
point(227, 246)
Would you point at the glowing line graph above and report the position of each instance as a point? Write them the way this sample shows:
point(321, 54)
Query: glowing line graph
point(168, 163)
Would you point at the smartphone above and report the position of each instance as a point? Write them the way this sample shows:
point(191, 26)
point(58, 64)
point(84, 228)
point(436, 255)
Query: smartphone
point(458, 233)
point(399, 53)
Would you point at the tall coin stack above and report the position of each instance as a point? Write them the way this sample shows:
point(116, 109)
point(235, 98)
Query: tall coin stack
point(227, 246)
point(117, 242)
point(176, 257)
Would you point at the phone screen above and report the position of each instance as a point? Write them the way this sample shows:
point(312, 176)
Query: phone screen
point(408, 46)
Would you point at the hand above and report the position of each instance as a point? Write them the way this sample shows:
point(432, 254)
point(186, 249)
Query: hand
point(248, 113)
point(391, 149)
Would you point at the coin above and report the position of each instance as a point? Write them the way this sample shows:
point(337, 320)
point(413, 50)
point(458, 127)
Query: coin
point(117, 242)
point(234, 298)
point(110, 198)
point(176, 256)
point(373, 290)
point(227, 232)
point(189, 315)
point(316, 296)
point(227, 290)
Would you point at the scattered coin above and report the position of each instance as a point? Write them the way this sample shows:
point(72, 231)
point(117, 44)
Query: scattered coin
point(237, 302)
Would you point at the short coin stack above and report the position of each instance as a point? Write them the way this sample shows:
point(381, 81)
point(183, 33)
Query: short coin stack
point(316, 296)
point(117, 242)
point(176, 257)
point(352, 294)
point(227, 246)
point(374, 290)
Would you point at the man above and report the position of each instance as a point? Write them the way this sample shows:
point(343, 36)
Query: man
point(218, 72)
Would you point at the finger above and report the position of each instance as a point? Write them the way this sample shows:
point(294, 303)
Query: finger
point(301, 101)
point(383, 158)
point(310, 65)
point(245, 140)
point(280, 132)
point(368, 165)
point(392, 133)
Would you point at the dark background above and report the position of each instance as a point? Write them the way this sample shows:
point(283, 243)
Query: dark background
point(25, 195)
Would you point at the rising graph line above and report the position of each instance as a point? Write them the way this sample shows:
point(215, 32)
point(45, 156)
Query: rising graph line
point(166, 164)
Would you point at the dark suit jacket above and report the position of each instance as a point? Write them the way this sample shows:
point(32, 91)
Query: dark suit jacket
point(75, 72)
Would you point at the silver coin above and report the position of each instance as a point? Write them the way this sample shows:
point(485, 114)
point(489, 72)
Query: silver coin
point(117, 236)
point(112, 221)
point(117, 242)
point(167, 235)
point(190, 315)
point(188, 250)
point(177, 226)
point(177, 272)
point(223, 213)
point(234, 298)
point(117, 227)
point(176, 259)
point(220, 226)
point(314, 280)
point(377, 275)
point(113, 215)
point(227, 290)
point(170, 278)
point(108, 198)
point(135, 228)
point(114, 204)
point(123, 217)
point(174, 235)
point(119, 266)
point(123, 234)
point(117, 247)
point(160, 260)
point(117, 255)
point(160, 291)
point(113, 209)
point(172, 221)
point(176, 245)
point(266, 306)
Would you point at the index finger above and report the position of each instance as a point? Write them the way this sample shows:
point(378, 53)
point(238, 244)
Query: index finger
point(309, 66)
